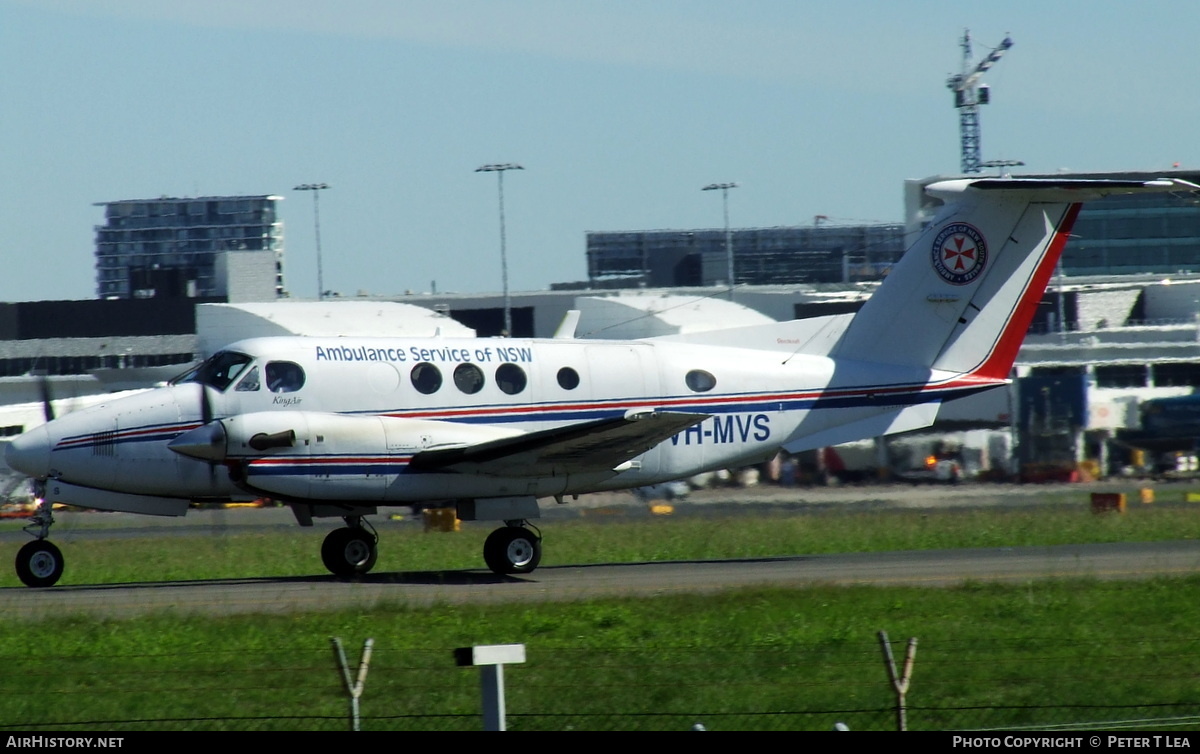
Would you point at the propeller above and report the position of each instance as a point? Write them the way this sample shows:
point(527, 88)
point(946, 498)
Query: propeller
point(206, 417)
point(44, 390)
point(206, 413)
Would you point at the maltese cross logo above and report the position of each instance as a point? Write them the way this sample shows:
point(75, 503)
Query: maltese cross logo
point(959, 253)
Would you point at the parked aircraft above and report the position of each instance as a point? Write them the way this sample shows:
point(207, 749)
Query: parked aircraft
point(342, 426)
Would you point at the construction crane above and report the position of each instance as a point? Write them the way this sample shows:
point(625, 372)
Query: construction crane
point(969, 94)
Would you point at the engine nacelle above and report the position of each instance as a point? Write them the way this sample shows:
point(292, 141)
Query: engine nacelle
point(302, 455)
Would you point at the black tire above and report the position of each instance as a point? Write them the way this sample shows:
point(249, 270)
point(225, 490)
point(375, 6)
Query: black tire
point(39, 563)
point(349, 552)
point(512, 549)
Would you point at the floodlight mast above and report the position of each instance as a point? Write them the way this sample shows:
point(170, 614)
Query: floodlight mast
point(969, 94)
point(499, 169)
point(724, 189)
point(316, 189)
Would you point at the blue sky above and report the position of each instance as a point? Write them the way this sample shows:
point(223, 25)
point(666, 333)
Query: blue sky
point(620, 111)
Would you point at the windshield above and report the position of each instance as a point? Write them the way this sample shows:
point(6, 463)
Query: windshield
point(218, 371)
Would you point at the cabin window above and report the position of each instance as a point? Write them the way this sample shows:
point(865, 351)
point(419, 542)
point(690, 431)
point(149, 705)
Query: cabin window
point(568, 378)
point(426, 378)
point(284, 377)
point(700, 381)
point(468, 378)
point(249, 383)
point(511, 378)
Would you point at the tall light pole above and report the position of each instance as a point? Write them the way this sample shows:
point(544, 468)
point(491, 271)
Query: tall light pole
point(499, 169)
point(724, 187)
point(316, 189)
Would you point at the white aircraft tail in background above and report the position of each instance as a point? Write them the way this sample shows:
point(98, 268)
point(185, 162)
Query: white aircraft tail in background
point(341, 426)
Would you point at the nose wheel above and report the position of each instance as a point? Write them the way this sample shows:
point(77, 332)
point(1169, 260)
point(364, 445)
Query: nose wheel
point(39, 563)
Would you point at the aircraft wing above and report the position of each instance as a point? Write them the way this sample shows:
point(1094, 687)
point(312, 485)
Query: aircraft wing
point(599, 445)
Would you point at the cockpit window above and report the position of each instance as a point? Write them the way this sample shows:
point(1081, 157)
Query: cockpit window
point(249, 383)
point(219, 371)
point(284, 377)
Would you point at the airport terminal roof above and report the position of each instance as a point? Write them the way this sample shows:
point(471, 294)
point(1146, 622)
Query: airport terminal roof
point(650, 313)
point(220, 324)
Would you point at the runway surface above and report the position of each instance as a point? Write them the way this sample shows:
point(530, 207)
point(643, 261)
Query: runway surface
point(323, 592)
point(914, 568)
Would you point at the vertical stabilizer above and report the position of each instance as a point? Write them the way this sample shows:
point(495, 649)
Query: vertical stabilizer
point(964, 294)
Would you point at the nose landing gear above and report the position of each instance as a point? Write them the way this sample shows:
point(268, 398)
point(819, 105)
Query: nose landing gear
point(40, 562)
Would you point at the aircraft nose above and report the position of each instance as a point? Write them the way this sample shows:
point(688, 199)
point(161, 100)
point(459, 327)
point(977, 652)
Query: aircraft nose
point(30, 453)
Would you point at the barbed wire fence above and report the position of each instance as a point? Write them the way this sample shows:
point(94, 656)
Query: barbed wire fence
point(1036, 683)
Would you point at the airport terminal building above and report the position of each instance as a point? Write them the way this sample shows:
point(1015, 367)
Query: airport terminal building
point(761, 256)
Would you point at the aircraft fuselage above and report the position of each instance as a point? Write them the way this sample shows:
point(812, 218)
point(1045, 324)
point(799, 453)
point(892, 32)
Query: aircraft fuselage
point(361, 409)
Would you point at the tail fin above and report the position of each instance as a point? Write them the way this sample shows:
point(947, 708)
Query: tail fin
point(964, 294)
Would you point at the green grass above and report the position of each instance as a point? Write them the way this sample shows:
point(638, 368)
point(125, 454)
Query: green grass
point(218, 553)
point(1040, 654)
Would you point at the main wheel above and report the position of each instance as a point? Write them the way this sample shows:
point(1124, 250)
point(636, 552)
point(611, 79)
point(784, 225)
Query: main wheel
point(39, 563)
point(512, 549)
point(349, 552)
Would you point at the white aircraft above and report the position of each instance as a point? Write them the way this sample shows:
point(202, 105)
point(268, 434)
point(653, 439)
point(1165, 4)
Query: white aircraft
point(341, 426)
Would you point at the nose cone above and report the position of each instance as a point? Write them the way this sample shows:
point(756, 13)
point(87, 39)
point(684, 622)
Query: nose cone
point(30, 453)
point(206, 442)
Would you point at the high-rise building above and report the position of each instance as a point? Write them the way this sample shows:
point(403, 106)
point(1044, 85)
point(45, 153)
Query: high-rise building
point(169, 247)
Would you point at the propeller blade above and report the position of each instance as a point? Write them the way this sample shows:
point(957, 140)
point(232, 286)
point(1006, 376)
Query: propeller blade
point(206, 417)
point(206, 414)
point(44, 389)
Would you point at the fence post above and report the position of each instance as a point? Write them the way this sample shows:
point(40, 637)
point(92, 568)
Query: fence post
point(899, 683)
point(354, 689)
point(491, 659)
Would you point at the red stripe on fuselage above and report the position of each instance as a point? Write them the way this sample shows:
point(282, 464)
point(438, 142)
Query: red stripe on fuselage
point(999, 363)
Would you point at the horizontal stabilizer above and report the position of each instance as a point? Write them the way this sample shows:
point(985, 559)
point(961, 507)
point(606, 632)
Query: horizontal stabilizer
point(1062, 189)
point(901, 420)
point(599, 445)
point(813, 336)
point(963, 295)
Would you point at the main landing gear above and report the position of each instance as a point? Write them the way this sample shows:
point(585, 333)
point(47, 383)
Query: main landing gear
point(513, 549)
point(40, 563)
point(352, 550)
